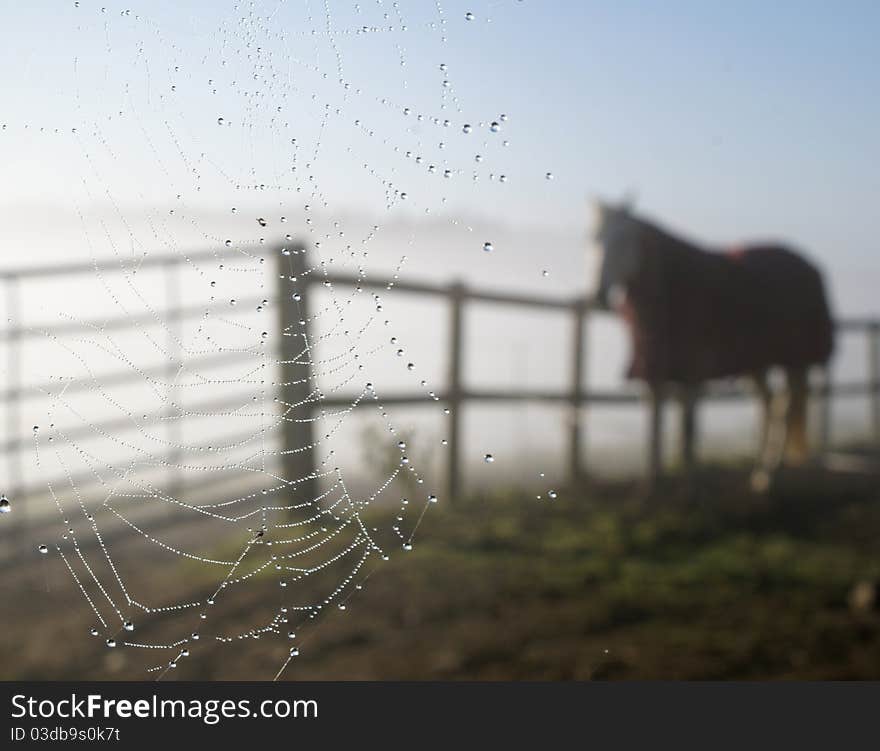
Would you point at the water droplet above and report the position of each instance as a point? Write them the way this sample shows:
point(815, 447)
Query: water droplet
point(432, 499)
point(466, 128)
point(488, 247)
point(128, 626)
point(43, 549)
point(495, 126)
point(5, 506)
point(111, 642)
point(548, 176)
point(551, 494)
point(228, 243)
point(468, 16)
point(221, 121)
point(261, 222)
point(294, 651)
point(488, 458)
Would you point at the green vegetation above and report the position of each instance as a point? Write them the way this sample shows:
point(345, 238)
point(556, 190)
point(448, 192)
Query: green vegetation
point(598, 584)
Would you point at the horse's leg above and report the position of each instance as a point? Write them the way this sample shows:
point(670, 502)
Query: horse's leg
point(655, 435)
point(772, 433)
point(796, 416)
point(765, 394)
point(688, 399)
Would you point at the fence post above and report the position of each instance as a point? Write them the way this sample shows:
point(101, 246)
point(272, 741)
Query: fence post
point(825, 395)
point(655, 435)
point(689, 396)
point(15, 479)
point(575, 434)
point(295, 361)
point(455, 395)
point(173, 344)
point(874, 376)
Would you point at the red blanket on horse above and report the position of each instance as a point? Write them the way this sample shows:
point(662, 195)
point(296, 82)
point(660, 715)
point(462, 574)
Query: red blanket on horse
point(696, 315)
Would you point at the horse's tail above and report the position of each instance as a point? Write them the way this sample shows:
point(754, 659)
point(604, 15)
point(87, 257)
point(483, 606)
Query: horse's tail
point(819, 318)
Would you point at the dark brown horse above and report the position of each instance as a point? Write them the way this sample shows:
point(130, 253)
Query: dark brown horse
point(695, 315)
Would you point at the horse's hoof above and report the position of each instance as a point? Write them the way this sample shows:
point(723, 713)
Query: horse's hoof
point(760, 481)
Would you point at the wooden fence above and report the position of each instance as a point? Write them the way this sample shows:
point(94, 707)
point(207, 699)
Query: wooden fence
point(456, 394)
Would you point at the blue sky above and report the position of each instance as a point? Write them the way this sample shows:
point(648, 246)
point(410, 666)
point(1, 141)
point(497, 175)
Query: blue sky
point(727, 115)
point(729, 120)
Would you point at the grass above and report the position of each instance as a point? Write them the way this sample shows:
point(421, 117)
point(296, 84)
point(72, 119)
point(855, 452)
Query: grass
point(604, 584)
point(601, 583)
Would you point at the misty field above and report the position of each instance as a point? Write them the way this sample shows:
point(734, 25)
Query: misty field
point(601, 583)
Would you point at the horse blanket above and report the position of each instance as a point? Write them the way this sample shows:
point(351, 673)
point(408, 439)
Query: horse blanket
point(695, 314)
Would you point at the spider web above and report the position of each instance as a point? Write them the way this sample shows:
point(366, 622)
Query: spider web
point(242, 124)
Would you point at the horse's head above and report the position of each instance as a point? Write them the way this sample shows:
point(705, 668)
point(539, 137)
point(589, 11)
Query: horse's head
point(616, 238)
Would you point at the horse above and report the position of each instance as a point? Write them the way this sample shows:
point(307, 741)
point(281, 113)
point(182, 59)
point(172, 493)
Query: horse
point(695, 314)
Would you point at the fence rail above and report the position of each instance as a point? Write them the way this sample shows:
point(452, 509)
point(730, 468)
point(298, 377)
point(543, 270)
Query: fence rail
point(455, 394)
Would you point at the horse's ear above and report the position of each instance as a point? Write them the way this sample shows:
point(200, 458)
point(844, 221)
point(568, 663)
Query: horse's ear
point(598, 206)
